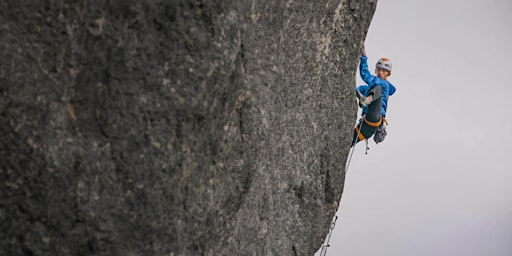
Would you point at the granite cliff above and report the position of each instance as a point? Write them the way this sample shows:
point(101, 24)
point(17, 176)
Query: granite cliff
point(175, 127)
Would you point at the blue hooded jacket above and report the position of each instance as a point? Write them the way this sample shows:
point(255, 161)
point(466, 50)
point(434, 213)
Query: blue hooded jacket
point(371, 81)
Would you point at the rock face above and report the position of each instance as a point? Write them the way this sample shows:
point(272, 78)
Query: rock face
point(175, 127)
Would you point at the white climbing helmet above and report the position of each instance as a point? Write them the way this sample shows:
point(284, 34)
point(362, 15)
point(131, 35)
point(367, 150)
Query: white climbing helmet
point(384, 63)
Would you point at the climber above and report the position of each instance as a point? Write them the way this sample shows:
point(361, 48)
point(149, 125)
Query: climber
point(373, 99)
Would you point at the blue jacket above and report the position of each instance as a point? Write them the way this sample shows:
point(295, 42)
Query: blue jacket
point(371, 81)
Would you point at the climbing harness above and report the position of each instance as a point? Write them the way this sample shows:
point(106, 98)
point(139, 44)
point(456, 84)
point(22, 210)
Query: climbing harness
point(359, 134)
point(323, 252)
point(379, 135)
point(372, 124)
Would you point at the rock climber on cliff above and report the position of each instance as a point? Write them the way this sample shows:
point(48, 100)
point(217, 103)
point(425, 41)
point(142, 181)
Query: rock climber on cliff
point(373, 99)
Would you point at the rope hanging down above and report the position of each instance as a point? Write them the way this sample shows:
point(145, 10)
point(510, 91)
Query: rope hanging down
point(323, 252)
point(352, 151)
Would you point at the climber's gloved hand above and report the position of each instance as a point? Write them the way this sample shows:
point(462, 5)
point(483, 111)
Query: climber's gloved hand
point(362, 49)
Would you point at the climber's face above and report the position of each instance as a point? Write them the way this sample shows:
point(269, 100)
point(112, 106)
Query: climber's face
point(382, 73)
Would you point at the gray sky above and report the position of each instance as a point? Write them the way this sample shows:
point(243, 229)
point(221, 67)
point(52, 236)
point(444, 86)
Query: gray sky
point(441, 183)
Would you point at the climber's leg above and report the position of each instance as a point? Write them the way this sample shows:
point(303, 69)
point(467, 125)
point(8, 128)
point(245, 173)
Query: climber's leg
point(373, 115)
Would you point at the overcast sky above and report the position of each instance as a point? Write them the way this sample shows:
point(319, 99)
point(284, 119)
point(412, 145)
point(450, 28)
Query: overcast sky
point(440, 184)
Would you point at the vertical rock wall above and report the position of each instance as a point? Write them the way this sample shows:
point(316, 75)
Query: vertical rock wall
point(174, 127)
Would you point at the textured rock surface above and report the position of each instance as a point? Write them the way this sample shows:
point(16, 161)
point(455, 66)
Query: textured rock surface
point(174, 127)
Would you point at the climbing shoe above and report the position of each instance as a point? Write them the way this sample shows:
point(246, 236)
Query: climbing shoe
point(380, 134)
point(361, 99)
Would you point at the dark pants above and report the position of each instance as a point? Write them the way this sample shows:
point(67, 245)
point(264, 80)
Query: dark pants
point(372, 115)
